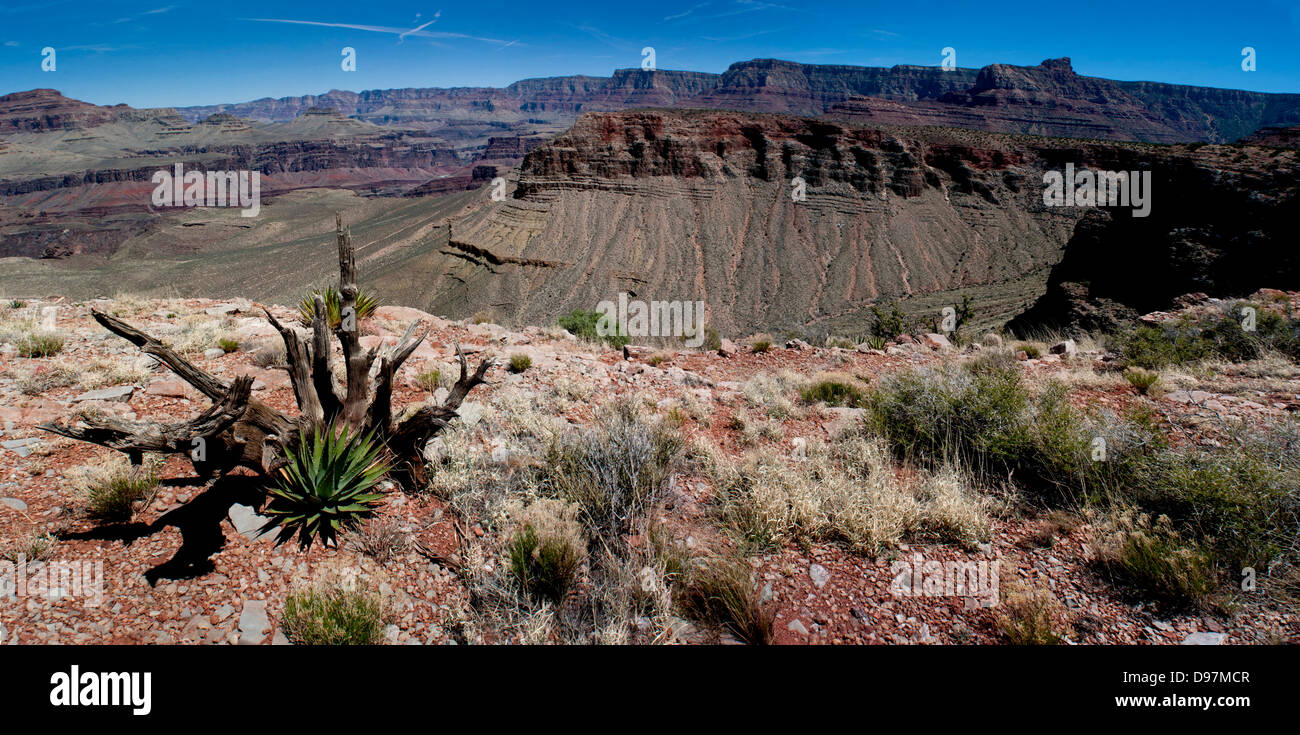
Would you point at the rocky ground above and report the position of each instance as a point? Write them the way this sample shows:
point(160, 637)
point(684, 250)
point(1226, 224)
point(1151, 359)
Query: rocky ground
point(192, 568)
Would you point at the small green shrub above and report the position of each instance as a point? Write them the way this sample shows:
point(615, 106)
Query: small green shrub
point(545, 556)
point(1141, 379)
point(712, 340)
point(583, 325)
point(761, 345)
point(429, 380)
point(657, 359)
point(15, 304)
point(1031, 351)
point(112, 491)
point(1155, 559)
point(833, 393)
point(327, 486)
point(40, 345)
point(334, 616)
point(520, 363)
point(888, 325)
point(877, 342)
point(228, 345)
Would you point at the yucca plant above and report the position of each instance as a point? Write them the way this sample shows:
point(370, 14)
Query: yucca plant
point(328, 485)
point(366, 305)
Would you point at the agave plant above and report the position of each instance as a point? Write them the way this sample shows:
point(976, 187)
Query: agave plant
point(366, 305)
point(328, 484)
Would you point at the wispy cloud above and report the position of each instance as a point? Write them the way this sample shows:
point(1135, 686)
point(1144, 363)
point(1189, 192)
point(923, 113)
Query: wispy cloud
point(155, 11)
point(741, 37)
point(687, 12)
point(881, 33)
point(400, 32)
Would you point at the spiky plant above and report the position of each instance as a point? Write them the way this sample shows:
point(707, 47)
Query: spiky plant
point(328, 485)
point(366, 305)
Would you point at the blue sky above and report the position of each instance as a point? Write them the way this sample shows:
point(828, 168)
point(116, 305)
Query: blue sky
point(181, 52)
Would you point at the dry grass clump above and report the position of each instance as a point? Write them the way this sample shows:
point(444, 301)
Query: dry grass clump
point(772, 393)
point(113, 489)
point(848, 492)
point(1031, 616)
point(196, 333)
point(722, 590)
point(335, 610)
point(547, 548)
point(1155, 558)
point(382, 539)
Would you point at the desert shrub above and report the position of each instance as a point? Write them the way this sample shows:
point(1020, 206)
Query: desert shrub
point(657, 359)
point(45, 378)
point(112, 489)
point(1155, 558)
point(616, 472)
point(712, 340)
point(1141, 379)
point(270, 354)
point(327, 486)
point(547, 549)
point(1031, 350)
point(761, 345)
point(34, 546)
point(228, 345)
point(582, 324)
point(1203, 336)
point(429, 380)
point(888, 325)
point(833, 392)
point(40, 344)
point(846, 492)
point(877, 342)
point(334, 615)
point(984, 417)
point(365, 308)
point(520, 363)
point(1231, 497)
point(722, 591)
point(1029, 617)
point(381, 538)
point(16, 304)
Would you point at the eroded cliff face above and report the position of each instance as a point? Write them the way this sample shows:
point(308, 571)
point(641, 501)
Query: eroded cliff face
point(698, 205)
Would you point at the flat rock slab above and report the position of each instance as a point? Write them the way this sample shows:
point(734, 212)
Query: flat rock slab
point(14, 503)
point(253, 625)
point(247, 521)
point(21, 447)
point(1205, 638)
point(119, 393)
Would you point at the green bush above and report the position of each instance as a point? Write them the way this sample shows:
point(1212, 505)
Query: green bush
point(761, 345)
point(888, 325)
point(1155, 559)
point(582, 324)
point(112, 491)
point(1031, 351)
point(1141, 379)
point(327, 486)
point(334, 616)
point(833, 393)
point(429, 380)
point(543, 565)
point(1221, 336)
point(228, 345)
point(40, 345)
point(520, 363)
